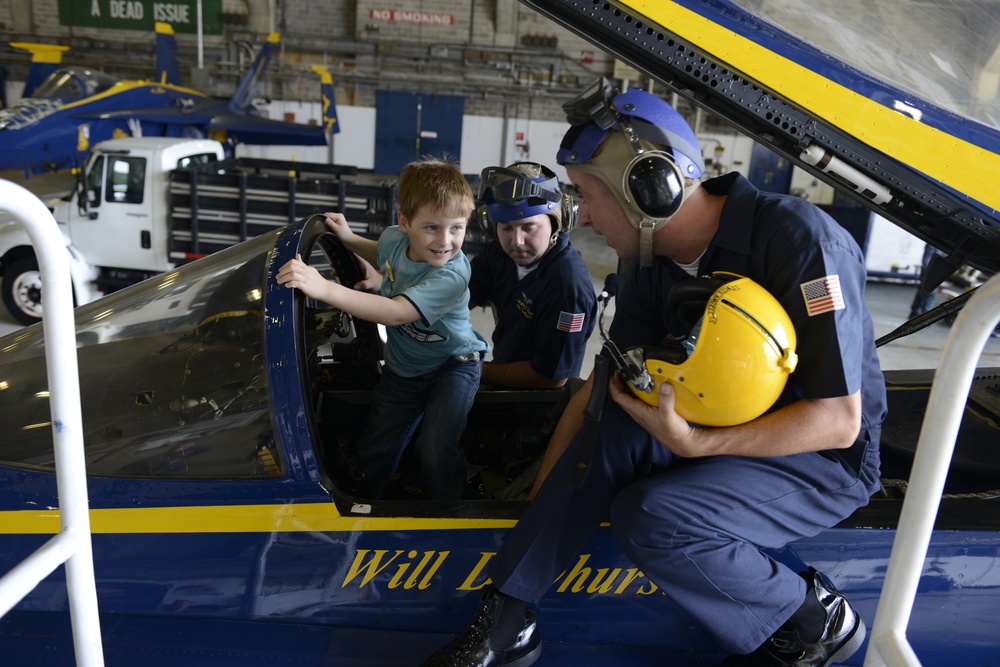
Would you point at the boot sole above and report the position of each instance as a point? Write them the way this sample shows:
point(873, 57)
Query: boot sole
point(849, 648)
point(528, 658)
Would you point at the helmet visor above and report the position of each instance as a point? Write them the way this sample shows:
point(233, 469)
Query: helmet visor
point(511, 187)
point(593, 105)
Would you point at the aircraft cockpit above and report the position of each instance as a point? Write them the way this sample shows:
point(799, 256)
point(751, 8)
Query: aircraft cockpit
point(74, 83)
point(214, 371)
point(342, 360)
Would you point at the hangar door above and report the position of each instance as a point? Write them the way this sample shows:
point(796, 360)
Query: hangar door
point(769, 171)
point(409, 127)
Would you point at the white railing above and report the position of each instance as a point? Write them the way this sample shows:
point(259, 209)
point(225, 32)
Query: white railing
point(72, 544)
point(969, 334)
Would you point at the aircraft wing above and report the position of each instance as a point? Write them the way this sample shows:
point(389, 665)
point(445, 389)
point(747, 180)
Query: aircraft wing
point(914, 149)
point(243, 128)
point(266, 131)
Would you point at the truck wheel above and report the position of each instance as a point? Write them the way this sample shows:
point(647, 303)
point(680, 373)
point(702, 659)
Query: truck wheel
point(22, 290)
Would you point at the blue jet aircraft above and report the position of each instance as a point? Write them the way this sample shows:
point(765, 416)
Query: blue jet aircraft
point(76, 107)
point(45, 59)
point(219, 409)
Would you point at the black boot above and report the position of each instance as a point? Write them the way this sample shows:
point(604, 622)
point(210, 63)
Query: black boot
point(483, 643)
point(840, 634)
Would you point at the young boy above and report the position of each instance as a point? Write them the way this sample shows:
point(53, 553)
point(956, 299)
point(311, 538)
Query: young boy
point(433, 357)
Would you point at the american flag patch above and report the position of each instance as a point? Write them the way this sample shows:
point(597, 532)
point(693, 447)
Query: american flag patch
point(570, 322)
point(822, 295)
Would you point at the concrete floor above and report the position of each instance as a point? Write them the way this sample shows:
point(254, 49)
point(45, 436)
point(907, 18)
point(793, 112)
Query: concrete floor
point(888, 302)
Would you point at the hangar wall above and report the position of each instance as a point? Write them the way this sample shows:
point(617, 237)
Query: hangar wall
point(513, 67)
point(483, 141)
point(489, 51)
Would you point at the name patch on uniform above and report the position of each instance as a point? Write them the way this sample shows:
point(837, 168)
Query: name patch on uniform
point(570, 322)
point(523, 306)
point(822, 295)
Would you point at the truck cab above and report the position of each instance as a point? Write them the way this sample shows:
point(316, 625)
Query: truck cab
point(122, 221)
point(116, 223)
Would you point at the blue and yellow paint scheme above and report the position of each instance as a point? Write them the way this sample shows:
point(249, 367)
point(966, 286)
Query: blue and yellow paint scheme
point(45, 59)
point(884, 114)
point(219, 409)
point(77, 107)
point(215, 406)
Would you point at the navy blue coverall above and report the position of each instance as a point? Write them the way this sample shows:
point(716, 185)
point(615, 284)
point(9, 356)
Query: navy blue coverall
point(696, 526)
point(544, 318)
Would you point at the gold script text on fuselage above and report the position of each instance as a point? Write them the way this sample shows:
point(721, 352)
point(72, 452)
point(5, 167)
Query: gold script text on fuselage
point(420, 570)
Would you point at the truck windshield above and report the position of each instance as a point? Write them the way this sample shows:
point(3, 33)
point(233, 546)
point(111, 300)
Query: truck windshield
point(172, 378)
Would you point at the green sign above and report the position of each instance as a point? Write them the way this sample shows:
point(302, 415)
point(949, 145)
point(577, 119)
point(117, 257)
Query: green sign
point(142, 14)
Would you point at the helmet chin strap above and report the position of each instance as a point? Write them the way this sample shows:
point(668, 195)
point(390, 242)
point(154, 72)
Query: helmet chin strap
point(649, 225)
point(556, 225)
point(646, 228)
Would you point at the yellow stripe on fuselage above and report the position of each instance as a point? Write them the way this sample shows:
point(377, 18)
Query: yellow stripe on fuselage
point(289, 518)
point(123, 86)
point(961, 165)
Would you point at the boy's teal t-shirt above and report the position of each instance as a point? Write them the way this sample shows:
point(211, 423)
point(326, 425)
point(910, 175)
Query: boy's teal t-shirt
point(440, 295)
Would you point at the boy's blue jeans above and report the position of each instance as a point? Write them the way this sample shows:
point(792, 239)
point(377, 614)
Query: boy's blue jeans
point(441, 400)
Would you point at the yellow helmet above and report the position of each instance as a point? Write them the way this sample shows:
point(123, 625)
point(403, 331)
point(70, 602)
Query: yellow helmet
point(743, 353)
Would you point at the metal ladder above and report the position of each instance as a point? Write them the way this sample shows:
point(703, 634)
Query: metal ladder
point(889, 646)
point(72, 545)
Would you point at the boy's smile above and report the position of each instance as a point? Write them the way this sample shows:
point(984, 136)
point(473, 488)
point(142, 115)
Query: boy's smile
point(434, 237)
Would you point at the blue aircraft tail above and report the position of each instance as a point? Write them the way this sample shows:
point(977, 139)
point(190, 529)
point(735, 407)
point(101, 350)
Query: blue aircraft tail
point(242, 100)
point(167, 69)
point(330, 123)
point(45, 59)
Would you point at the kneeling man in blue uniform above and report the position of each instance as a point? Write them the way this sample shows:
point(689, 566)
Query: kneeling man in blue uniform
point(697, 507)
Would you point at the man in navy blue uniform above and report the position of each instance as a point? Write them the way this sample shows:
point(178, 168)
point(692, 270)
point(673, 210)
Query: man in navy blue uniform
point(696, 507)
point(536, 282)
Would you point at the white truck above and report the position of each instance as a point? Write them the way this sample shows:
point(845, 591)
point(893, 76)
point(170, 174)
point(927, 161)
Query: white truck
point(146, 205)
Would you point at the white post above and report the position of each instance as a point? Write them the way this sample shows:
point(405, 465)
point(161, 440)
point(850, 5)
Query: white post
point(945, 406)
point(72, 545)
point(201, 40)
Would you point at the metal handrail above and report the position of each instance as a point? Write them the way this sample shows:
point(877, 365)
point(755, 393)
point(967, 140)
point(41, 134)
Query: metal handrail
point(72, 545)
point(889, 646)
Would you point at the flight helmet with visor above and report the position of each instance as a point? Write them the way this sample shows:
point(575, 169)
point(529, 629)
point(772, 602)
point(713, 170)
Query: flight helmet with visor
point(520, 191)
